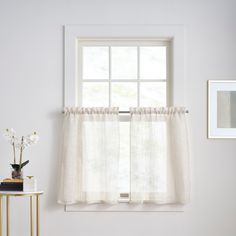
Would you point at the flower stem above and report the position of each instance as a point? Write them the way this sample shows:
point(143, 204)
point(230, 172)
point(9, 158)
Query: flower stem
point(21, 150)
point(14, 152)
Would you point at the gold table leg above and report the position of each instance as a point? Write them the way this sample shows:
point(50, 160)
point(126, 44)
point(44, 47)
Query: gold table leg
point(37, 215)
point(8, 215)
point(0, 215)
point(32, 212)
point(31, 216)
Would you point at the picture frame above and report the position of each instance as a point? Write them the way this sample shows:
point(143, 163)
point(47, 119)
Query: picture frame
point(221, 109)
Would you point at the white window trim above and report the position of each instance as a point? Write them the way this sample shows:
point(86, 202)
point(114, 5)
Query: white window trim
point(172, 33)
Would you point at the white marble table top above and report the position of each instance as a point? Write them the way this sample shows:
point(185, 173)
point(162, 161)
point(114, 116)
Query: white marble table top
point(20, 193)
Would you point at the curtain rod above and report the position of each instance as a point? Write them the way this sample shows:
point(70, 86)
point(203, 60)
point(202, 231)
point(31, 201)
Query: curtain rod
point(127, 112)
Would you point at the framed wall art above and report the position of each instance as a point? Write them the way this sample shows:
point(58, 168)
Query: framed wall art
point(221, 108)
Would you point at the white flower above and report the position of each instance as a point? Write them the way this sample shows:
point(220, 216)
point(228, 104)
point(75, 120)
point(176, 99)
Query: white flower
point(27, 141)
point(10, 135)
point(23, 142)
point(20, 145)
point(34, 138)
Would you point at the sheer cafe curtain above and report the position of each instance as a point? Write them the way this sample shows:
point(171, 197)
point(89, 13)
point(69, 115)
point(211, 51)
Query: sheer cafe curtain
point(90, 156)
point(159, 156)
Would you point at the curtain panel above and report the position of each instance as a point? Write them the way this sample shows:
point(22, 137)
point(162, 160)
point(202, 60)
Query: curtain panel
point(90, 156)
point(159, 155)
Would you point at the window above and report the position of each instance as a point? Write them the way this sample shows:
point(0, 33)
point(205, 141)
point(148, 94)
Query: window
point(123, 73)
point(78, 36)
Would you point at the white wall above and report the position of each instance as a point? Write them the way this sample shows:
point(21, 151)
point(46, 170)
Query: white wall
point(31, 98)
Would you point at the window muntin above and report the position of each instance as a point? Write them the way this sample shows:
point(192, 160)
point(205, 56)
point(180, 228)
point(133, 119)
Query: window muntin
point(124, 73)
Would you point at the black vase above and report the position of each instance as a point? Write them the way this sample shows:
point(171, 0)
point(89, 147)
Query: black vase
point(17, 174)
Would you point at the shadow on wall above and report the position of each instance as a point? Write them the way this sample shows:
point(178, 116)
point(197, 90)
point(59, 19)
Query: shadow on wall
point(53, 180)
point(57, 119)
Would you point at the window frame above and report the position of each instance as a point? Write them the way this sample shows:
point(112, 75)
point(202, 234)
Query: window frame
point(173, 33)
point(121, 42)
point(175, 79)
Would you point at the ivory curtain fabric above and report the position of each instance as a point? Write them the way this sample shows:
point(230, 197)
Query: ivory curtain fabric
point(159, 156)
point(90, 156)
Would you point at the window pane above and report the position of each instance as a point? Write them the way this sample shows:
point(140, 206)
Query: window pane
point(124, 62)
point(153, 94)
point(124, 95)
point(153, 62)
point(95, 63)
point(124, 161)
point(149, 167)
point(95, 94)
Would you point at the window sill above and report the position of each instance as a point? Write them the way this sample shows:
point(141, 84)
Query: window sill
point(123, 206)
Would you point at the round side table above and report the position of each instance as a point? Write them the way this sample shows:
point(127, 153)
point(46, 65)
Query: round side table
point(32, 196)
